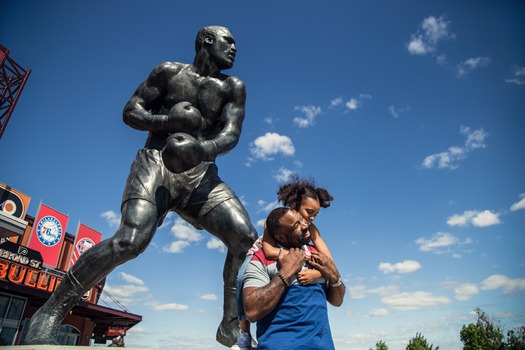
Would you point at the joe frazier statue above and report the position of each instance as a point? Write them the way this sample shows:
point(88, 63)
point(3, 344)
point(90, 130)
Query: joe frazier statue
point(193, 113)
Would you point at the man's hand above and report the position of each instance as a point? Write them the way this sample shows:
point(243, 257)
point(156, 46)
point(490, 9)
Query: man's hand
point(325, 265)
point(291, 262)
point(335, 294)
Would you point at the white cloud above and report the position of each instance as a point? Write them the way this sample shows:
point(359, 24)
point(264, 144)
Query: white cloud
point(131, 279)
point(417, 46)
point(184, 231)
point(170, 307)
point(283, 174)
point(357, 291)
point(414, 301)
point(125, 290)
point(503, 282)
point(486, 218)
point(520, 204)
point(450, 159)
point(461, 220)
point(336, 102)
point(260, 223)
point(267, 207)
point(112, 218)
point(400, 267)
point(475, 139)
point(440, 243)
point(310, 111)
point(352, 104)
point(168, 219)
point(268, 120)
point(396, 112)
point(176, 247)
point(356, 102)
point(215, 243)
point(384, 290)
point(477, 218)
point(378, 312)
point(435, 29)
point(271, 144)
point(208, 297)
point(437, 242)
point(431, 31)
point(471, 64)
point(444, 160)
point(518, 76)
point(465, 291)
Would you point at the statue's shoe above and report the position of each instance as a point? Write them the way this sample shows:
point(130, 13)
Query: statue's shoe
point(42, 329)
point(228, 332)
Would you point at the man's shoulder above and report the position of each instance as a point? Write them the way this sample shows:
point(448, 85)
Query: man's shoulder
point(259, 256)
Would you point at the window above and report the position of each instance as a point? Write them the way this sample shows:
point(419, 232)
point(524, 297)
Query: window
point(68, 335)
point(11, 311)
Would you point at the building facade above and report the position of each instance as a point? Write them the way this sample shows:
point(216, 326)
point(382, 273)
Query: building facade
point(28, 276)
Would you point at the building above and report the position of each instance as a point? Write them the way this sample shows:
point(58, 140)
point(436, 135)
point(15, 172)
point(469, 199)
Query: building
point(27, 279)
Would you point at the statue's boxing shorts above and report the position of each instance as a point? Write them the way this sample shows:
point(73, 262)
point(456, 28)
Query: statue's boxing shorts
point(190, 194)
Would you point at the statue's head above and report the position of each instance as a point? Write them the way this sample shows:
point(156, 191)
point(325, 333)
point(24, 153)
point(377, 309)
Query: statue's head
point(217, 44)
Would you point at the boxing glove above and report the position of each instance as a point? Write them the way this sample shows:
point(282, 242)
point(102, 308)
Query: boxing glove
point(183, 117)
point(182, 152)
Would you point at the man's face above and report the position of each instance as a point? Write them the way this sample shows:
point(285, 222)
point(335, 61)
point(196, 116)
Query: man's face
point(293, 230)
point(222, 50)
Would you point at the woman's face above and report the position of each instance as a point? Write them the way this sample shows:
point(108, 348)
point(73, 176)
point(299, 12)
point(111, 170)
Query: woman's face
point(309, 209)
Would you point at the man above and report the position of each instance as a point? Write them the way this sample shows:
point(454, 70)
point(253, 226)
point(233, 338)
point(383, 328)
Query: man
point(290, 315)
point(192, 113)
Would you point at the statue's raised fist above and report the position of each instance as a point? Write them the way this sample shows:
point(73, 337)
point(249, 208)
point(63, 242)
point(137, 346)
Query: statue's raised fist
point(182, 152)
point(183, 117)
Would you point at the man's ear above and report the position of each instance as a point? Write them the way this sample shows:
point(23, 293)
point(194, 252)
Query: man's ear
point(208, 39)
point(279, 237)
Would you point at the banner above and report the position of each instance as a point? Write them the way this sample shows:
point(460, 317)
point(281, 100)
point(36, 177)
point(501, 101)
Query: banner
point(48, 234)
point(86, 238)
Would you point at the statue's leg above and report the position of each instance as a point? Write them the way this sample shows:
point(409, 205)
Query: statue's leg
point(230, 222)
point(137, 227)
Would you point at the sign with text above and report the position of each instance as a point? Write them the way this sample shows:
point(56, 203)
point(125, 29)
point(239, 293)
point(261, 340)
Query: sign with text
point(19, 254)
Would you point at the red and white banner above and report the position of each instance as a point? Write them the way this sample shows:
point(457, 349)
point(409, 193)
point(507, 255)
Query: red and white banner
point(86, 238)
point(48, 234)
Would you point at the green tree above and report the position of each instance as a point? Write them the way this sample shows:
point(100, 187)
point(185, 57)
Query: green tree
point(380, 345)
point(486, 334)
point(516, 339)
point(420, 343)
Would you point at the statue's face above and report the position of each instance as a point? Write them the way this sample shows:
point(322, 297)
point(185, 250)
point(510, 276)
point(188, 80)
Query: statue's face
point(222, 50)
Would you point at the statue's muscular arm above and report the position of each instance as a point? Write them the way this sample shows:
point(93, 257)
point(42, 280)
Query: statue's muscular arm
point(232, 117)
point(149, 96)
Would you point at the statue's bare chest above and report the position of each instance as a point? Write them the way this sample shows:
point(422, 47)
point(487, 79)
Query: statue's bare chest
point(207, 94)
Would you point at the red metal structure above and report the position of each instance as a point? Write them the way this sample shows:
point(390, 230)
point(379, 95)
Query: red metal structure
point(12, 80)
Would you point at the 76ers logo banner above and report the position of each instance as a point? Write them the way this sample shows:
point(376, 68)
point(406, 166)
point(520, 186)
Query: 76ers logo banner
point(86, 238)
point(48, 234)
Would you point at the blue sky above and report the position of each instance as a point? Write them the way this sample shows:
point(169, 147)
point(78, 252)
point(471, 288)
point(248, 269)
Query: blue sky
point(410, 113)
